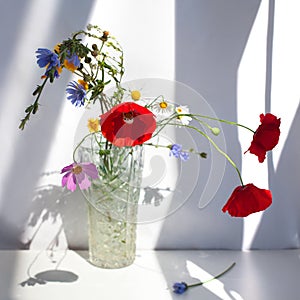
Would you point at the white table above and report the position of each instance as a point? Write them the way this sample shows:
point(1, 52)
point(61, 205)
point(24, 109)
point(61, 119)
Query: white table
point(257, 275)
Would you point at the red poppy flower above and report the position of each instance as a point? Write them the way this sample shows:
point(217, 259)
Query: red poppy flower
point(265, 137)
point(127, 124)
point(246, 200)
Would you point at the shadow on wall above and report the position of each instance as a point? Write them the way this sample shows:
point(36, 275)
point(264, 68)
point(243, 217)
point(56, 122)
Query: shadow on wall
point(31, 148)
point(286, 200)
point(284, 181)
point(32, 145)
point(62, 211)
point(210, 40)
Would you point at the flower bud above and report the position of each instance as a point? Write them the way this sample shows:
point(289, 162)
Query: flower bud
point(215, 130)
point(87, 59)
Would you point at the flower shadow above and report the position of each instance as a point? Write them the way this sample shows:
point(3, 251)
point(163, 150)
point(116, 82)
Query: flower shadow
point(61, 213)
point(194, 267)
point(50, 276)
point(153, 196)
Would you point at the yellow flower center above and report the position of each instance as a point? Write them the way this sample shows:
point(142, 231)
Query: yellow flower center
point(179, 110)
point(163, 105)
point(77, 170)
point(135, 95)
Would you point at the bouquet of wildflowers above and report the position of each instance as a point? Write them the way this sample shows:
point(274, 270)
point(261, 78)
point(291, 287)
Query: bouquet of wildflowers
point(96, 59)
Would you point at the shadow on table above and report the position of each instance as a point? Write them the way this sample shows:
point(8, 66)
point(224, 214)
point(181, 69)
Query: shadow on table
point(194, 267)
point(50, 276)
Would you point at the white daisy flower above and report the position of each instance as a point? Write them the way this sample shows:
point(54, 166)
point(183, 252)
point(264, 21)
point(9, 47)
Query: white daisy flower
point(185, 120)
point(135, 95)
point(163, 108)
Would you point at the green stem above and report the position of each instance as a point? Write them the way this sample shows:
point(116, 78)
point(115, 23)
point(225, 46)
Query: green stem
point(32, 109)
point(217, 148)
point(170, 146)
point(149, 105)
point(220, 120)
point(79, 144)
point(41, 89)
point(215, 277)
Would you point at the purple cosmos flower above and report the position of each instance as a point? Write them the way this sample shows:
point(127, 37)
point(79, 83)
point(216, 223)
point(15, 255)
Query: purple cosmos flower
point(179, 287)
point(76, 93)
point(78, 172)
point(176, 151)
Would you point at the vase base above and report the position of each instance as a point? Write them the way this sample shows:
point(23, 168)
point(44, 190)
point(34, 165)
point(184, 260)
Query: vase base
point(104, 264)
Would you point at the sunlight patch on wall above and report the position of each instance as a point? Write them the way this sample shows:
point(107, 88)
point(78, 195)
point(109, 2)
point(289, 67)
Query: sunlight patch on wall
point(286, 66)
point(251, 103)
point(146, 31)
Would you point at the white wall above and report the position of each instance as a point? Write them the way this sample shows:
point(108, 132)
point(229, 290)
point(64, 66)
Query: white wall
point(219, 48)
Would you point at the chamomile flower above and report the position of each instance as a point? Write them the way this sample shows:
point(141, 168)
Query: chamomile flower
point(135, 95)
point(163, 108)
point(181, 111)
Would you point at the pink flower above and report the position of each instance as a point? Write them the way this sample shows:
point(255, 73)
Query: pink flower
point(78, 172)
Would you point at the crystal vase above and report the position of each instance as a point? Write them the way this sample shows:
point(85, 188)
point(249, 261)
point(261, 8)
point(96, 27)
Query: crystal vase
point(112, 201)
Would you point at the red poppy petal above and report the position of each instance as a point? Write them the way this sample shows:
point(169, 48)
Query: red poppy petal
point(260, 152)
point(246, 200)
point(121, 133)
point(266, 136)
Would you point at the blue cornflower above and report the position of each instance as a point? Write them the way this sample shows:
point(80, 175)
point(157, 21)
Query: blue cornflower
point(176, 151)
point(184, 156)
point(179, 287)
point(47, 58)
point(76, 93)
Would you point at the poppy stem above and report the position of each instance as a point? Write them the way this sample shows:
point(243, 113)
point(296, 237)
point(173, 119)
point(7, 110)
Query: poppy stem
point(217, 148)
point(223, 121)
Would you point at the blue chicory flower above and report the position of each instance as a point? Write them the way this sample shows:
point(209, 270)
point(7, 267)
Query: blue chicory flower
point(176, 151)
point(74, 59)
point(47, 58)
point(76, 93)
point(179, 287)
